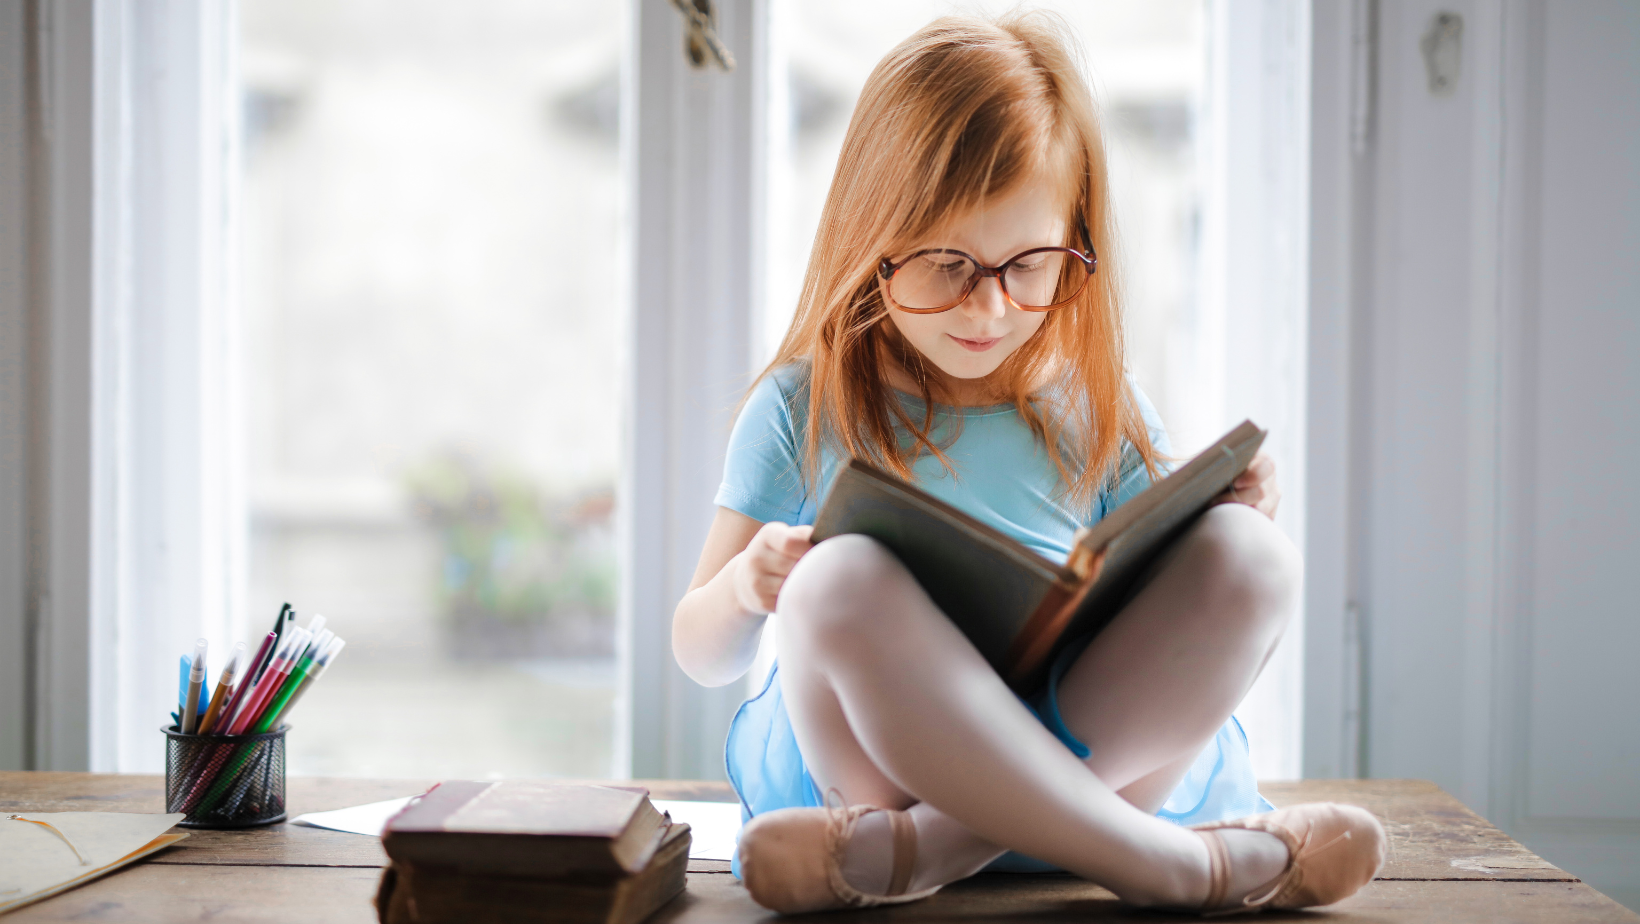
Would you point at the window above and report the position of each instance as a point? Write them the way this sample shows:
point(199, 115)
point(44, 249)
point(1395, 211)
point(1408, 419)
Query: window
point(429, 279)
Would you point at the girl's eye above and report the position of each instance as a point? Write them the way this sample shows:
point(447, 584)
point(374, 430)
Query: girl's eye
point(1029, 265)
point(936, 263)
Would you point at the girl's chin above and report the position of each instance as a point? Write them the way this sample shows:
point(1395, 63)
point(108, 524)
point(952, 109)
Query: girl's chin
point(969, 365)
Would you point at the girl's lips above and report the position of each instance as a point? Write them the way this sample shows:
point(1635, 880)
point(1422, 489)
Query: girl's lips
point(976, 346)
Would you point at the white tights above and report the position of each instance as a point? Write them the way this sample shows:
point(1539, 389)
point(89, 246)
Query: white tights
point(895, 708)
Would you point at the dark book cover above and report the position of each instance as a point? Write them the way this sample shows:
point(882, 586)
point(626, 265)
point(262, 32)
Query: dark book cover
point(1017, 607)
point(413, 894)
point(538, 828)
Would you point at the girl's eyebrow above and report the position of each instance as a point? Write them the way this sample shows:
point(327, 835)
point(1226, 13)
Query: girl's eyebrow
point(1014, 252)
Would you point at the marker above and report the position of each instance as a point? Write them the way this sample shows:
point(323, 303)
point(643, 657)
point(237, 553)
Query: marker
point(299, 673)
point(314, 673)
point(278, 669)
point(224, 686)
point(234, 725)
point(286, 618)
point(184, 665)
point(247, 680)
point(196, 681)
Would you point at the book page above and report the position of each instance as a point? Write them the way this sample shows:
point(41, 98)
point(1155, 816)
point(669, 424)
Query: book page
point(36, 860)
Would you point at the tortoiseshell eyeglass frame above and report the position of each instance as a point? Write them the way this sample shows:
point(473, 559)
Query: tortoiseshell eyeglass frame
point(887, 268)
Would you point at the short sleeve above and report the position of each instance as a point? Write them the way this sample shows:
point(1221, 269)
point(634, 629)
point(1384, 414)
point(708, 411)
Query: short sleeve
point(1133, 477)
point(762, 473)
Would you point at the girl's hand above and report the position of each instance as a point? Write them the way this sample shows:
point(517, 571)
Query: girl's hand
point(762, 568)
point(1255, 487)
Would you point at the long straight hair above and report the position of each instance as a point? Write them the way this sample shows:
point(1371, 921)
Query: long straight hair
point(964, 110)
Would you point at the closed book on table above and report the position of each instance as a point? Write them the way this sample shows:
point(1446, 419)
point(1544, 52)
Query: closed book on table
point(1017, 607)
point(530, 850)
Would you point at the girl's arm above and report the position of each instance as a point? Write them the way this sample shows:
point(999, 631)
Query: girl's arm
point(717, 624)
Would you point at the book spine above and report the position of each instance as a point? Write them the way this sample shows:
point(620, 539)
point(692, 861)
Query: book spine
point(1030, 648)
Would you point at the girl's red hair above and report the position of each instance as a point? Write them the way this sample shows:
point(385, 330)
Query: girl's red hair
point(964, 110)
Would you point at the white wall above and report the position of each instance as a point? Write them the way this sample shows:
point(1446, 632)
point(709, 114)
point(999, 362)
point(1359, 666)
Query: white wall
point(1481, 245)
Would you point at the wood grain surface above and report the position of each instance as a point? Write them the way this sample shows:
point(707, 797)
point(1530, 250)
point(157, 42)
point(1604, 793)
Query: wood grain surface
point(1431, 834)
point(1446, 864)
point(1041, 899)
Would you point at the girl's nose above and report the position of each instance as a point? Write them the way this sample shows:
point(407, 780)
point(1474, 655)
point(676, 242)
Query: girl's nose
point(986, 301)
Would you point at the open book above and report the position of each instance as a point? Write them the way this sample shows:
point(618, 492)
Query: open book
point(1016, 606)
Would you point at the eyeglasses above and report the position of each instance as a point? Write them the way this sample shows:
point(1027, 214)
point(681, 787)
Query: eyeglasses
point(1040, 279)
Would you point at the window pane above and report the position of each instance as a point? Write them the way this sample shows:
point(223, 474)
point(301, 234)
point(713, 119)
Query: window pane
point(429, 233)
point(1147, 61)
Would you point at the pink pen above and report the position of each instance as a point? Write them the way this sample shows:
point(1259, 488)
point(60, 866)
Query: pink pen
point(253, 681)
point(272, 678)
point(224, 722)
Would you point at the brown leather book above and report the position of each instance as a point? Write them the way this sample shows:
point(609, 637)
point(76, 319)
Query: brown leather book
point(413, 894)
point(1017, 607)
point(530, 828)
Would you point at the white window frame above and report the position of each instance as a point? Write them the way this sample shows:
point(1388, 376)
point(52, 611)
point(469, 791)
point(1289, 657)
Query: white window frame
point(693, 147)
point(131, 489)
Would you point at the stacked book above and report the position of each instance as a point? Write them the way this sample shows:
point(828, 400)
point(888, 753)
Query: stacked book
point(530, 850)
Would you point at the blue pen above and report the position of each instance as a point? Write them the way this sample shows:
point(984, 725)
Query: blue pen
point(182, 688)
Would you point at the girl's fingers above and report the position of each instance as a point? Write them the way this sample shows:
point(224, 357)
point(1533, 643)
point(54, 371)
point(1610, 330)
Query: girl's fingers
point(1261, 469)
point(768, 591)
point(797, 542)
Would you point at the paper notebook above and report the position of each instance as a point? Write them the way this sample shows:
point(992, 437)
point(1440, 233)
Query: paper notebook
point(43, 853)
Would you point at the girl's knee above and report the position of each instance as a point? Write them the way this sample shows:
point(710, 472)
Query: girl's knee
point(1249, 559)
point(840, 585)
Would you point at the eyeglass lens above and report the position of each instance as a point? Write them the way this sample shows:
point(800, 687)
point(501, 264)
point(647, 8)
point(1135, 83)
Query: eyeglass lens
point(937, 280)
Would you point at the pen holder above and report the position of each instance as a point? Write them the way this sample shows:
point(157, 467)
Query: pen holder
point(225, 781)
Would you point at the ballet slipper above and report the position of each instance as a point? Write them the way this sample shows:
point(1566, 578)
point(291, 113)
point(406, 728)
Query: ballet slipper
point(1333, 850)
point(791, 860)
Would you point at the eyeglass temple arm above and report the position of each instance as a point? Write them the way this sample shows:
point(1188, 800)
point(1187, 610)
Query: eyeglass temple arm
point(1087, 240)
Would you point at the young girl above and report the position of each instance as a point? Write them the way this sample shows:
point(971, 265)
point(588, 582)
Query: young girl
point(956, 327)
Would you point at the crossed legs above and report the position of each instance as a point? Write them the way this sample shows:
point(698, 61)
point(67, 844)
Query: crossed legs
point(893, 707)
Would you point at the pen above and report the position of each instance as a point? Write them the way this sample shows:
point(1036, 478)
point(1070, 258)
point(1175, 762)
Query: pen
point(247, 680)
point(234, 724)
point(278, 669)
point(224, 684)
point(314, 673)
point(287, 616)
point(196, 680)
point(304, 664)
point(212, 789)
point(184, 666)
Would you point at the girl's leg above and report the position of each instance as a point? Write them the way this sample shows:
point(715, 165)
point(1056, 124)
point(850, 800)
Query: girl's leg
point(1161, 680)
point(881, 705)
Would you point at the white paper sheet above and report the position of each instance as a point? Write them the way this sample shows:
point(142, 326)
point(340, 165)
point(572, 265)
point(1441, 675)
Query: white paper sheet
point(359, 819)
point(713, 826)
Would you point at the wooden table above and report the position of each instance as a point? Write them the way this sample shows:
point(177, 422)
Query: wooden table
point(1446, 864)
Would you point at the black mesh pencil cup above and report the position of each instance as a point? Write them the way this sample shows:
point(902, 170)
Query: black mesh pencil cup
point(225, 781)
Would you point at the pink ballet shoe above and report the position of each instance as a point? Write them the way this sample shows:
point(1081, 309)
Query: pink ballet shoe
point(1333, 850)
point(791, 860)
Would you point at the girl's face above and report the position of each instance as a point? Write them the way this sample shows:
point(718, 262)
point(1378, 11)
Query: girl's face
point(971, 340)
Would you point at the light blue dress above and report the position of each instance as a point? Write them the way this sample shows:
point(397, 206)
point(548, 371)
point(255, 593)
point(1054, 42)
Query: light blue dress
point(1005, 479)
